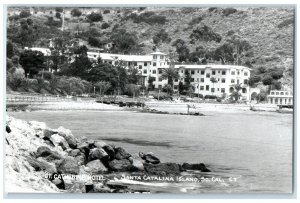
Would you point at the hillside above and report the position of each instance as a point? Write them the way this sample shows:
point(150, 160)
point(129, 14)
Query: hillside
point(269, 31)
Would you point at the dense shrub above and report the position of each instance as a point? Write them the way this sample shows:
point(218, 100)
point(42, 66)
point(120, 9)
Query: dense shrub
point(147, 17)
point(52, 23)
point(211, 9)
point(205, 33)
point(196, 20)
point(106, 11)
point(161, 36)
point(59, 10)
point(94, 42)
point(24, 14)
point(57, 15)
point(95, 17)
point(104, 26)
point(76, 12)
point(210, 97)
point(267, 80)
point(228, 11)
point(286, 23)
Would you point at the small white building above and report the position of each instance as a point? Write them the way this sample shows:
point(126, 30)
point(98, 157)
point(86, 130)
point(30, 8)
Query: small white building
point(280, 97)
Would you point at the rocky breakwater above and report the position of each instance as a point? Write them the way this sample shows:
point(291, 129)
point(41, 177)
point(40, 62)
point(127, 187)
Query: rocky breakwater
point(40, 159)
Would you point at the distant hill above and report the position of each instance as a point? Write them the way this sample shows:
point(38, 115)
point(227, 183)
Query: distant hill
point(269, 31)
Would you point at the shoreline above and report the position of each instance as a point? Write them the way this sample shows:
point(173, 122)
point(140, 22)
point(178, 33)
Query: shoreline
point(41, 159)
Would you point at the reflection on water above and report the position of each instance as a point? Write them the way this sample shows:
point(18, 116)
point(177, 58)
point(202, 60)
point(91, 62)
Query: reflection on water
point(255, 148)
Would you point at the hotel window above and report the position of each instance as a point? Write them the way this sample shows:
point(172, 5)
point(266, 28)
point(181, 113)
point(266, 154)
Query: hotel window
point(276, 101)
point(207, 75)
point(223, 72)
point(149, 63)
point(277, 93)
point(154, 71)
point(232, 72)
point(280, 101)
point(218, 89)
point(192, 72)
point(213, 72)
point(192, 79)
point(212, 89)
point(238, 72)
point(281, 93)
point(161, 57)
point(160, 64)
point(154, 57)
point(245, 73)
point(145, 63)
point(95, 56)
point(218, 71)
point(286, 93)
point(201, 79)
point(186, 72)
point(232, 81)
point(272, 93)
point(201, 87)
point(202, 72)
point(181, 71)
point(154, 63)
point(223, 90)
point(140, 67)
point(145, 71)
point(197, 71)
point(135, 63)
point(245, 81)
point(223, 80)
point(207, 87)
point(159, 71)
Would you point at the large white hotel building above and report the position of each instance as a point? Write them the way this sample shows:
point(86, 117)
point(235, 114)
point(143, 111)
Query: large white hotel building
point(227, 76)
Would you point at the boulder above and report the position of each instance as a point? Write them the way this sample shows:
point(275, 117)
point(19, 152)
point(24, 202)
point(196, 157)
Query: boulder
point(58, 140)
point(75, 152)
point(69, 137)
point(81, 159)
point(121, 153)
point(84, 147)
point(47, 166)
point(137, 164)
point(110, 151)
point(97, 153)
point(48, 154)
point(95, 167)
point(8, 130)
point(99, 144)
point(59, 183)
point(101, 188)
point(120, 165)
point(77, 187)
point(48, 132)
point(163, 168)
point(68, 166)
point(201, 167)
point(149, 158)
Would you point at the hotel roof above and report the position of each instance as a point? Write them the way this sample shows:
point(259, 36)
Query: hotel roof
point(109, 56)
point(210, 66)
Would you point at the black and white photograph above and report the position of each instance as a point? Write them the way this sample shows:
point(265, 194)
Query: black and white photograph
point(149, 99)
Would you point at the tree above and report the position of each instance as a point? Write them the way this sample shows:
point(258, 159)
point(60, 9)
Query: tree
point(168, 88)
point(181, 49)
point(76, 12)
point(253, 80)
point(124, 42)
point(104, 26)
point(204, 33)
point(95, 17)
point(32, 61)
point(267, 80)
point(151, 79)
point(58, 15)
point(235, 95)
point(180, 87)
point(9, 49)
point(103, 86)
point(213, 80)
point(72, 85)
point(132, 89)
point(170, 74)
point(24, 14)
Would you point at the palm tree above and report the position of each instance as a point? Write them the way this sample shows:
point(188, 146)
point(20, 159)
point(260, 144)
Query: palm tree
point(213, 80)
point(103, 86)
point(236, 93)
point(170, 74)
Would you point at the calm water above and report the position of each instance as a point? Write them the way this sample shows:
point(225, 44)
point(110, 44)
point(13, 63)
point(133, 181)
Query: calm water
point(255, 148)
